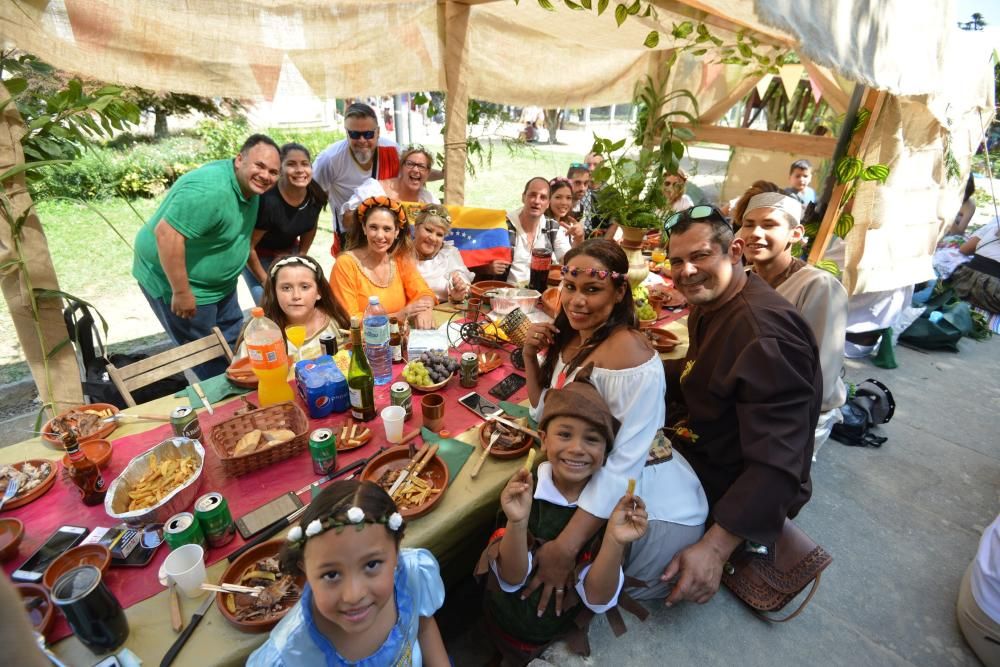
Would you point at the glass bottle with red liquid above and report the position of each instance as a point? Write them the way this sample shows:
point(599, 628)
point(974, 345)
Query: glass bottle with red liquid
point(83, 472)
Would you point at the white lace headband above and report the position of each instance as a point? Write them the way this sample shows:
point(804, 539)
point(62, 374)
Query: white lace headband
point(777, 200)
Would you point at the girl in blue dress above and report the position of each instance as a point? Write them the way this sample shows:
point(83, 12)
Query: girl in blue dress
point(366, 602)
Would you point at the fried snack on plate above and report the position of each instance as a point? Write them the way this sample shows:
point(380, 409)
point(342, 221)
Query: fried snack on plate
point(162, 478)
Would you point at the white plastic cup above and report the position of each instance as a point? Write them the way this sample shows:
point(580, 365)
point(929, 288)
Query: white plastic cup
point(186, 566)
point(392, 420)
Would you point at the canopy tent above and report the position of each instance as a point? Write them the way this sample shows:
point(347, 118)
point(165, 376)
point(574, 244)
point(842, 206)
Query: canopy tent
point(511, 53)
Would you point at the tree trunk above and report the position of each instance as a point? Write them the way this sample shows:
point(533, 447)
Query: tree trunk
point(160, 124)
point(552, 118)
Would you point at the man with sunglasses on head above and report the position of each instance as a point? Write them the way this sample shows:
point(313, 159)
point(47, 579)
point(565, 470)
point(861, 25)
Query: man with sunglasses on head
point(583, 199)
point(347, 163)
point(751, 388)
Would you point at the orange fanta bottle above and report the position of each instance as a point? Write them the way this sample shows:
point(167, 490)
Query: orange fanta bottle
point(268, 359)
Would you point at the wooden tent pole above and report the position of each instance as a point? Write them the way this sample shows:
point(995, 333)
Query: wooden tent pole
point(456, 33)
point(60, 384)
point(834, 95)
point(874, 101)
point(719, 109)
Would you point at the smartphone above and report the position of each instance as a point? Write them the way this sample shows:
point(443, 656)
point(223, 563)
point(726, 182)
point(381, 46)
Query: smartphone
point(508, 386)
point(61, 540)
point(479, 404)
point(252, 523)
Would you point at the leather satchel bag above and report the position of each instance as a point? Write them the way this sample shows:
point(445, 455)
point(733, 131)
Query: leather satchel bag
point(768, 582)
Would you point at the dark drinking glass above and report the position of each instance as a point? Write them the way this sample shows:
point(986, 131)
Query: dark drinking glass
point(92, 611)
point(541, 262)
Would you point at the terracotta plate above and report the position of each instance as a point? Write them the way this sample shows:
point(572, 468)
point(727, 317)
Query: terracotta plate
point(38, 606)
point(484, 439)
point(232, 576)
point(242, 365)
point(482, 287)
point(663, 340)
point(397, 458)
point(104, 431)
point(38, 491)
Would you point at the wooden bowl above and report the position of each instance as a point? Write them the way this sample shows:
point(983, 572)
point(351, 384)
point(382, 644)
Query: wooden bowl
point(232, 576)
point(663, 340)
point(85, 554)
point(102, 432)
point(481, 288)
point(47, 482)
point(242, 366)
point(41, 614)
point(98, 451)
point(427, 388)
point(484, 440)
point(398, 458)
point(11, 534)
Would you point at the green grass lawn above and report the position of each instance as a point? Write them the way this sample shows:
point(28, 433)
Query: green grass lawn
point(93, 263)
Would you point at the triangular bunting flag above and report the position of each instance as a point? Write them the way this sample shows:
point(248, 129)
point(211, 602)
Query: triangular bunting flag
point(267, 77)
point(817, 92)
point(763, 85)
point(790, 77)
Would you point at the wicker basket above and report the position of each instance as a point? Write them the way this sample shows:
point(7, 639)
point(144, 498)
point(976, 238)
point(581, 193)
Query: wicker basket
point(225, 435)
point(515, 325)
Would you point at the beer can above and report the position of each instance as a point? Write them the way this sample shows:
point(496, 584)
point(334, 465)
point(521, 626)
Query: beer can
point(184, 421)
point(469, 370)
point(323, 449)
point(400, 394)
point(181, 529)
point(212, 512)
point(329, 343)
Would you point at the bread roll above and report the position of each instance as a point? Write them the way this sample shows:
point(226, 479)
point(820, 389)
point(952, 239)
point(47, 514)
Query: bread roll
point(248, 443)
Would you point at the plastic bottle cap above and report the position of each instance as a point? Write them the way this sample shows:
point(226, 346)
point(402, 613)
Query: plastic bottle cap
point(372, 300)
point(257, 312)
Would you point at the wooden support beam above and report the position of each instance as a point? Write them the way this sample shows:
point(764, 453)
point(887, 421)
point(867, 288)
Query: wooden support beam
point(834, 95)
point(719, 109)
point(456, 33)
point(787, 142)
point(874, 101)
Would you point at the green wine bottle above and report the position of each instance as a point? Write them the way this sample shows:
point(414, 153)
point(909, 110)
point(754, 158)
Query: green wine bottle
point(360, 380)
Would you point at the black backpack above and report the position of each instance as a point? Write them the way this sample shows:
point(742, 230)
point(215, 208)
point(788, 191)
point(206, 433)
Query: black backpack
point(93, 356)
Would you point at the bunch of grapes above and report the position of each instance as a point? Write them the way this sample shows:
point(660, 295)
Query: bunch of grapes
point(644, 311)
point(432, 367)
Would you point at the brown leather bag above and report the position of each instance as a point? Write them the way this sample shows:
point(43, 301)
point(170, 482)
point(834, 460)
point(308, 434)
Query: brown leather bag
point(768, 582)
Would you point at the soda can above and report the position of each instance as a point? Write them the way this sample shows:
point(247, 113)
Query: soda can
point(400, 394)
point(323, 449)
point(469, 370)
point(184, 421)
point(212, 512)
point(181, 529)
point(329, 343)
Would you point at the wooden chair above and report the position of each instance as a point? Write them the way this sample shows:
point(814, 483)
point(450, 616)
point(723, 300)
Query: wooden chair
point(165, 364)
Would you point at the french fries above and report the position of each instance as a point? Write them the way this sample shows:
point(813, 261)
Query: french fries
point(631, 487)
point(162, 478)
point(106, 412)
point(414, 492)
point(530, 461)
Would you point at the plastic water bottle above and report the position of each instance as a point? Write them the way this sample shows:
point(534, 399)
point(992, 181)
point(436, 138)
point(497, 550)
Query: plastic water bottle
point(268, 359)
point(376, 327)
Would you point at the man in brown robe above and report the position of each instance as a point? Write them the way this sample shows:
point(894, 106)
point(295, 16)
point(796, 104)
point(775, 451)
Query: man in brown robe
point(752, 386)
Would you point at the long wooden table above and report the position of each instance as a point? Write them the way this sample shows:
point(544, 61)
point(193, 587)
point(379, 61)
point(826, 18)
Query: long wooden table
point(467, 505)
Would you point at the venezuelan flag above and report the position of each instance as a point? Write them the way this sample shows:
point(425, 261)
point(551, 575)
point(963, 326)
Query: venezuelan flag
point(480, 234)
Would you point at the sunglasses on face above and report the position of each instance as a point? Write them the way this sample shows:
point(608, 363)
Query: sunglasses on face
point(700, 212)
point(357, 134)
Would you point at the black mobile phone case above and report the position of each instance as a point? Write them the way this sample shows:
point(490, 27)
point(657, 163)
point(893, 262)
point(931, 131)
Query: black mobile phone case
point(507, 386)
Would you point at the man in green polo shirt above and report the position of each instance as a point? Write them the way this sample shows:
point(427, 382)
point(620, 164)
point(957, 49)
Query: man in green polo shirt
point(190, 253)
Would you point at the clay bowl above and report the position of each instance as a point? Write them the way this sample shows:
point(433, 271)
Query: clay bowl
point(647, 324)
point(663, 340)
point(233, 574)
point(428, 388)
point(38, 606)
point(550, 302)
point(11, 534)
point(38, 491)
point(484, 440)
point(102, 432)
point(236, 374)
point(85, 554)
point(481, 288)
point(98, 451)
point(398, 458)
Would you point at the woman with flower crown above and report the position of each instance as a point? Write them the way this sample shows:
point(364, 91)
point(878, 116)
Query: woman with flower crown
point(366, 603)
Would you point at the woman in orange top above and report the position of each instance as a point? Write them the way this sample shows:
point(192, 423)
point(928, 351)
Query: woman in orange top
point(379, 261)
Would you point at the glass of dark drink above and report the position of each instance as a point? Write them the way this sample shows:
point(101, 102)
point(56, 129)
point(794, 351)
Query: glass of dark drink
point(91, 609)
point(541, 261)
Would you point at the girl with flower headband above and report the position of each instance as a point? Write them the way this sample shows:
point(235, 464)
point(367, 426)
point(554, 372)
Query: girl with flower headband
point(596, 324)
point(439, 262)
point(366, 603)
point(379, 262)
point(297, 293)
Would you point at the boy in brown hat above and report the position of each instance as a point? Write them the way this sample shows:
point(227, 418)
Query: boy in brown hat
point(577, 430)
